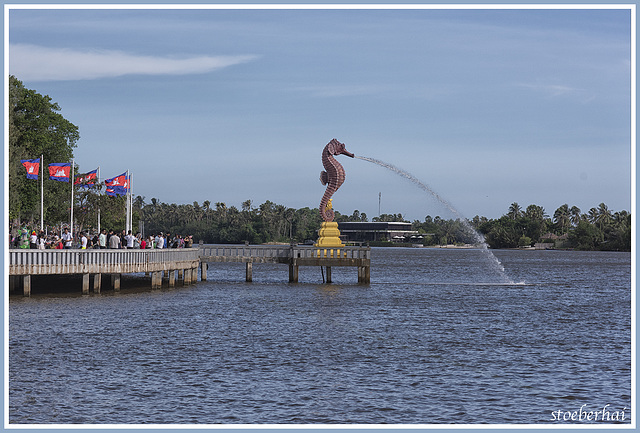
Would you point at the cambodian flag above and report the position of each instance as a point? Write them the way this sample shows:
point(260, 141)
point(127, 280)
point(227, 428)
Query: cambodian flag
point(32, 166)
point(117, 185)
point(86, 180)
point(60, 171)
point(115, 191)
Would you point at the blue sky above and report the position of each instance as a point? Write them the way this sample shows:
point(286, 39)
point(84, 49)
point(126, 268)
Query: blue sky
point(487, 107)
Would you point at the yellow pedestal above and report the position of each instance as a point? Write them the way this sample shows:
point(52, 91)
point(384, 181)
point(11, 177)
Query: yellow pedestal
point(329, 236)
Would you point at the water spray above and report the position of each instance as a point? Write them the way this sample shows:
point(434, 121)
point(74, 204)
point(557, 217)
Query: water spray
point(479, 239)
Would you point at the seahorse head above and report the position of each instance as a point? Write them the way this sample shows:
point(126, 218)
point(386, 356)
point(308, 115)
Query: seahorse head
point(334, 147)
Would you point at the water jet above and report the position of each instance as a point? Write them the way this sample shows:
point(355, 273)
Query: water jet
point(478, 237)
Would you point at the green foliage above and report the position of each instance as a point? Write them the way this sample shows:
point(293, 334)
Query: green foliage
point(600, 229)
point(36, 128)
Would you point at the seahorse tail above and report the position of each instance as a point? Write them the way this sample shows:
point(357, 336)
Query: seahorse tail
point(327, 214)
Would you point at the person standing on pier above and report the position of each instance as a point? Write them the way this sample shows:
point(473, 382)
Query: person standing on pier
point(102, 240)
point(67, 239)
point(114, 242)
point(129, 239)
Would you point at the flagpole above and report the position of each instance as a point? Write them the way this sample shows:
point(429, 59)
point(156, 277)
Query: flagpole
point(130, 203)
point(41, 192)
point(126, 206)
point(97, 182)
point(72, 180)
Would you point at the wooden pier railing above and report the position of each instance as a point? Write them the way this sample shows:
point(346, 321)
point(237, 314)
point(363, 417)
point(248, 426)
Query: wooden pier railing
point(183, 263)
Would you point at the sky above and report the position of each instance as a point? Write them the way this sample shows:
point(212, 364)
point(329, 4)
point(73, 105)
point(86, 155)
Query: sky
point(487, 107)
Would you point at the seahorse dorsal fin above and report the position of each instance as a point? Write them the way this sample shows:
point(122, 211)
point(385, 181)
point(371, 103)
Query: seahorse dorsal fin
point(324, 177)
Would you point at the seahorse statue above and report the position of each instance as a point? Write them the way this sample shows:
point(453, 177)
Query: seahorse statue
point(333, 177)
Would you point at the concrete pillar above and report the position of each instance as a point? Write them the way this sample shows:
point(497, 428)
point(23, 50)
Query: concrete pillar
point(328, 268)
point(367, 274)
point(115, 282)
point(156, 280)
point(26, 285)
point(181, 276)
point(97, 283)
point(293, 273)
point(172, 278)
point(203, 271)
point(12, 283)
point(249, 272)
point(186, 276)
point(85, 284)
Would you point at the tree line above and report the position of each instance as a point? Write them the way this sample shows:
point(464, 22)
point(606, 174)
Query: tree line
point(37, 128)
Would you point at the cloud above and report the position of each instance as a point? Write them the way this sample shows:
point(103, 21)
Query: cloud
point(339, 91)
point(37, 63)
point(559, 90)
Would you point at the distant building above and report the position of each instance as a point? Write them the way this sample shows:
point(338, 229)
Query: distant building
point(378, 231)
point(552, 241)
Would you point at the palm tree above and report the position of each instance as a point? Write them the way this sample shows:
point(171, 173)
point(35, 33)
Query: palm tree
point(535, 212)
point(604, 215)
point(515, 211)
point(562, 216)
point(246, 206)
point(206, 206)
point(575, 215)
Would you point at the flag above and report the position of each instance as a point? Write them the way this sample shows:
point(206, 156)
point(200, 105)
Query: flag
point(86, 180)
point(60, 171)
point(32, 166)
point(117, 185)
point(115, 191)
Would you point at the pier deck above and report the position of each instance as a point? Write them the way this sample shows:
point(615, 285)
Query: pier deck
point(183, 263)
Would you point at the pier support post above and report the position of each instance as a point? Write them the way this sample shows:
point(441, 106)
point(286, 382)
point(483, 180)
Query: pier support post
point(115, 282)
point(364, 274)
point(181, 276)
point(26, 285)
point(293, 273)
point(156, 280)
point(97, 283)
point(85, 284)
point(172, 278)
point(203, 271)
point(328, 268)
point(249, 272)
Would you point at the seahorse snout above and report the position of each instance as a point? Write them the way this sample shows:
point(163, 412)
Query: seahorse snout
point(345, 152)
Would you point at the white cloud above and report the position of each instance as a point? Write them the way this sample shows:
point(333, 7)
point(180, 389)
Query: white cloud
point(559, 90)
point(37, 63)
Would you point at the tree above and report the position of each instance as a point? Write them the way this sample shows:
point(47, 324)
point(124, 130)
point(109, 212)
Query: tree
point(515, 211)
point(575, 215)
point(562, 217)
point(604, 215)
point(36, 128)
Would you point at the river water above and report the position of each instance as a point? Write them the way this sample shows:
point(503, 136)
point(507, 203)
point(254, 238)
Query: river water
point(437, 338)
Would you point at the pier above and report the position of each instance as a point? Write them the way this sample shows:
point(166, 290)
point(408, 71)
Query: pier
point(292, 255)
point(176, 264)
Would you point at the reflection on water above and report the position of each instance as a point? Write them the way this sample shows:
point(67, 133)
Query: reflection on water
point(436, 338)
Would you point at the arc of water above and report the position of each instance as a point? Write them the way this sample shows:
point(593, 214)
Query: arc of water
point(479, 238)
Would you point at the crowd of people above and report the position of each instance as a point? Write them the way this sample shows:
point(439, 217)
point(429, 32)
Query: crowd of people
point(104, 240)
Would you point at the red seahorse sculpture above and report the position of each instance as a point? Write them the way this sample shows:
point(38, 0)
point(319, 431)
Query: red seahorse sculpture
point(334, 175)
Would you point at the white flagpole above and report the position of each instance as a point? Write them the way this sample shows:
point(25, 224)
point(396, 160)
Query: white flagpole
point(126, 228)
point(97, 182)
point(41, 192)
point(131, 203)
point(72, 180)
